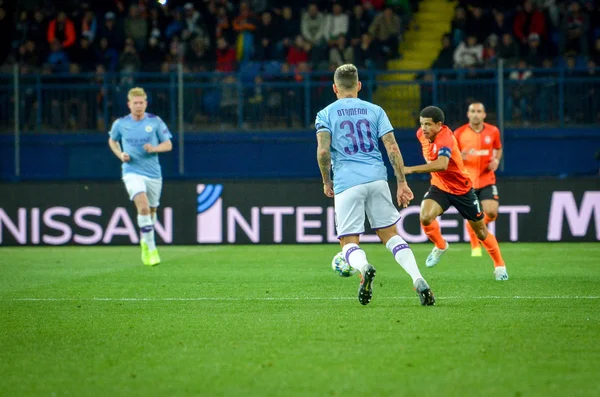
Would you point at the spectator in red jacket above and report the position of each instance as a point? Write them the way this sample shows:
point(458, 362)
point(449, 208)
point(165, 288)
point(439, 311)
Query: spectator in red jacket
point(298, 53)
point(226, 56)
point(529, 20)
point(377, 4)
point(62, 29)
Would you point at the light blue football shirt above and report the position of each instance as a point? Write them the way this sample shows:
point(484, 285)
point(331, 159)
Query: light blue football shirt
point(133, 135)
point(355, 127)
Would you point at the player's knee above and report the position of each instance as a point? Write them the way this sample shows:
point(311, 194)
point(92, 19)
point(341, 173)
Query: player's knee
point(352, 239)
point(386, 234)
point(492, 215)
point(426, 219)
point(144, 210)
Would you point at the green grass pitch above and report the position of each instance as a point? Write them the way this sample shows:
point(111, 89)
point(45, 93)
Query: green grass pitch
point(276, 321)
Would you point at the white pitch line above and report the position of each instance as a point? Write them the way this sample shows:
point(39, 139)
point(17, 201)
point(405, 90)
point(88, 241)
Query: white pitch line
point(308, 298)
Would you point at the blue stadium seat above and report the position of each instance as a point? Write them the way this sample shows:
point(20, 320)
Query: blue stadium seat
point(249, 70)
point(555, 38)
point(271, 68)
point(554, 42)
point(211, 101)
point(560, 63)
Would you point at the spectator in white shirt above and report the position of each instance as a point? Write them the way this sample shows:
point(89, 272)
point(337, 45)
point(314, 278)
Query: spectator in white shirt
point(468, 54)
point(336, 24)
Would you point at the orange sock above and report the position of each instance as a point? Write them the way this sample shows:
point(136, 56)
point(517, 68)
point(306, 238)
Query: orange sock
point(491, 245)
point(435, 234)
point(487, 219)
point(472, 236)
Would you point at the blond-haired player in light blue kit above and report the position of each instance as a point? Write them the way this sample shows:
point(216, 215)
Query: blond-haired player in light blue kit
point(141, 136)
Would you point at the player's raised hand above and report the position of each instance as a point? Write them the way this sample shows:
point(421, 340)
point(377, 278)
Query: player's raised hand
point(125, 157)
point(149, 148)
point(328, 189)
point(404, 195)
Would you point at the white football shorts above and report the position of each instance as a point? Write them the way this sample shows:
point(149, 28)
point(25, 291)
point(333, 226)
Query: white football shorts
point(136, 184)
point(372, 198)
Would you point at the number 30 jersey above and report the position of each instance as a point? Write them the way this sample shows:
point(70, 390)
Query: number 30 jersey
point(355, 127)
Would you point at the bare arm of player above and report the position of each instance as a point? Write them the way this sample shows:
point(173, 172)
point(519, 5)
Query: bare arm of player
point(324, 160)
point(437, 165)
point(165, 146)
point(404, 194)
point(496, 160)
point(116, 149)
point(393, 151)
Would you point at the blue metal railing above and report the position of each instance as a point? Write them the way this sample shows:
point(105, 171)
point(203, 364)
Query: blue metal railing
point(251, 100)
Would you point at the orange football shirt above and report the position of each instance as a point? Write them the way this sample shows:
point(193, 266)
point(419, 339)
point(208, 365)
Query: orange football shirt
point(479, 152)
point(455, 180)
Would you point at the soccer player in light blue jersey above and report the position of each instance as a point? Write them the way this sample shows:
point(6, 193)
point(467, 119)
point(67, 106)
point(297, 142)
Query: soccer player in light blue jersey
point(136, 140)
point(348, 131)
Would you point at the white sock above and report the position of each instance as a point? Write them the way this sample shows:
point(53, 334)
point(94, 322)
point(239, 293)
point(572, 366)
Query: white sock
point(154, 217)
point(404, 256)
point(145, 224)
point(355, 256)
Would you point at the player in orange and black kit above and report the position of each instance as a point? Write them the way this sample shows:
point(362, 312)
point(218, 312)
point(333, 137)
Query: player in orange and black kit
point(481, 150)
point(450, 185)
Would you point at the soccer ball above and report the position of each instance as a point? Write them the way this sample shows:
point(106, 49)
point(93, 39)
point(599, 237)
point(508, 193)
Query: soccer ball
point(341, 267)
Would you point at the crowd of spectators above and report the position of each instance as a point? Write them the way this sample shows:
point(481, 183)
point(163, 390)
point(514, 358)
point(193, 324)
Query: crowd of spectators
point(537, 32)
point(534, 38)
point(279, 41)
point(204, 35)
point(267, 40)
